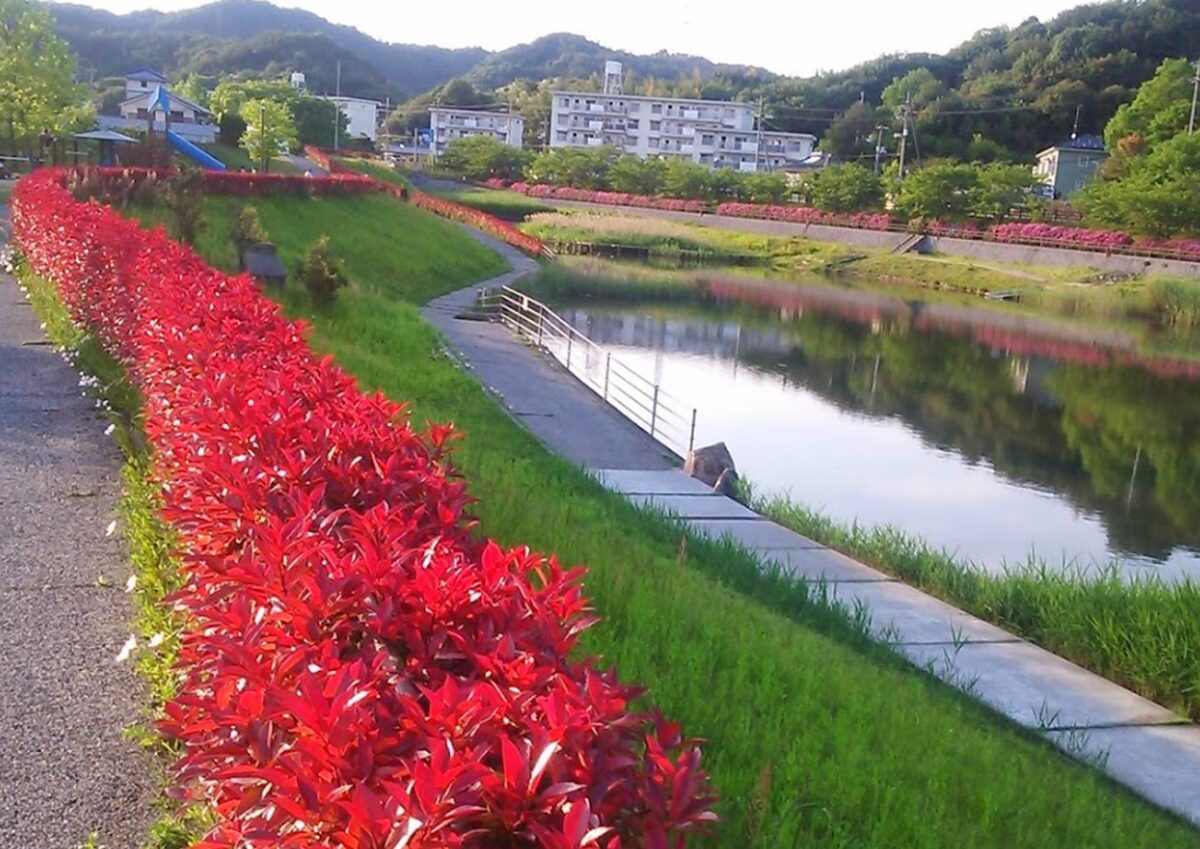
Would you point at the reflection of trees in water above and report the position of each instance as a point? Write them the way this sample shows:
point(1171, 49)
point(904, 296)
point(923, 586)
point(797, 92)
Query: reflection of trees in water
point(1076, 430)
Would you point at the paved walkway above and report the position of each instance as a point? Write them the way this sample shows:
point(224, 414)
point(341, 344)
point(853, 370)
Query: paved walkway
point(1138, 743)
point(65, 770)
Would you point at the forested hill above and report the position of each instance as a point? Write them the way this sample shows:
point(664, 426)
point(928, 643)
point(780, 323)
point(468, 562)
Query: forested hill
point(252, 36)
point(1020, 86)
point(1006, 92)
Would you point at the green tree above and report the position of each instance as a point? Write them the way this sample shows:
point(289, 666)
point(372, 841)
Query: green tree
point(938, 190)
point(576, 167)
point(230, 94)
point(322, 272)
point(852, 133)
point(683, 178)
point(844, 188)
point(998, 188)
point(637, 176)
point(483, 157)
point(1159, 111)
point(37, 76)
point(762, 187)
point(315, 119)
point(269, 130)
point(1159, 196)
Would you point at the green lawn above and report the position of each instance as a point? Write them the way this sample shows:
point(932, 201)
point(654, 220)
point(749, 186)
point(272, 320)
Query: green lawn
point(510, 206)
point(381, 172)
point(235, 158)
point(815, 738)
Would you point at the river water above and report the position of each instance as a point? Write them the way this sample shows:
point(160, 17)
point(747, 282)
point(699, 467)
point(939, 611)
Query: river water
point(995, 437)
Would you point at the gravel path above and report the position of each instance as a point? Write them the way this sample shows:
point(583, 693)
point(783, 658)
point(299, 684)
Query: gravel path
point(64, 701)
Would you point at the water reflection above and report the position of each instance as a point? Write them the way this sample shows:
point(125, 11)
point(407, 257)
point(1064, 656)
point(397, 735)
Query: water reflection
point(991, 436)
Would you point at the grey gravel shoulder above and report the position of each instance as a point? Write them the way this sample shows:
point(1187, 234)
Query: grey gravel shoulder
point(65, 769)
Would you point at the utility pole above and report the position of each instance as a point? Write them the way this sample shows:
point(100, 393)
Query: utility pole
point(905, 111)
point(337, 109)
point(758, 148)
point(262, 133)
point(879, 149)
point(1195, 93)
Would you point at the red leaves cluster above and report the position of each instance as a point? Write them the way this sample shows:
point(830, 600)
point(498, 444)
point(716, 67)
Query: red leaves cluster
point(609, 198)
point(489, 224)
point(357, 670)
point(235, 183)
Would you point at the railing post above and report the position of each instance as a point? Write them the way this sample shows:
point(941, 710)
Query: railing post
point(541, 314)
point(570, 339)
point(692, 437)
point(654, 411)
point(607, 372)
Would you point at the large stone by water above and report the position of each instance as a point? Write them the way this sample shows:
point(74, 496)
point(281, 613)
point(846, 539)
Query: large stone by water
point(712, 465)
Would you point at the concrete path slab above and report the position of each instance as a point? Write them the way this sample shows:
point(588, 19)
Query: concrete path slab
point(1159, 762)
point(753, 533)
point(65, 769)
point(535, 390)
point(659, 482)
point(902, 614)
point(710, 506)
point(1036, 689)
point(820, 564)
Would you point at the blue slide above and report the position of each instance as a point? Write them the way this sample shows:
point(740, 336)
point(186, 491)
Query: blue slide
point(190, 150)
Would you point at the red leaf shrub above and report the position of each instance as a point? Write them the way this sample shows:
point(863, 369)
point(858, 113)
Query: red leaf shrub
point(114, 181)
point(542, 190)
point(807, 215)
point(478, 219)
point(357, 670)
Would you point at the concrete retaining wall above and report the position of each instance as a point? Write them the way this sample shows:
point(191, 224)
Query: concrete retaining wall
point(1030, 255)
point(882, 240)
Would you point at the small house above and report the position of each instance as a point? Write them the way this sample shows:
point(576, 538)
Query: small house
point(1066, 168)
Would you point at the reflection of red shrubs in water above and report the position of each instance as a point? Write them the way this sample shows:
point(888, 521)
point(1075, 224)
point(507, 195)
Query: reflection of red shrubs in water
point(357, 669)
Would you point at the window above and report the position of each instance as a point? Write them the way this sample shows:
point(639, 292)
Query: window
point(566, 102)
point(561, 135)
point(655, 108)
point(655, 126)
point(145, 84)
point(633, 124)
point(635, 107)
point(707, 138)
point(654, 142)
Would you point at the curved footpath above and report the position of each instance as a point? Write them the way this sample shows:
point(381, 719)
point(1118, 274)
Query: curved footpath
point(65, 770)
point(1142, 745)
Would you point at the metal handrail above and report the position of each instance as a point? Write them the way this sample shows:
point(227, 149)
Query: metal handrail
point(634, 395)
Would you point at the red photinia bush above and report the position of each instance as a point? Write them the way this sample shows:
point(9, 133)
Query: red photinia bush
point(807, 215)
point(356, 669)
point(234, 183)
point(489, 224)
point(542, 190)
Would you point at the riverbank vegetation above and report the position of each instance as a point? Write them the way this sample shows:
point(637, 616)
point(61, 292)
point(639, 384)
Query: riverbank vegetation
point(1153, 304)
point(1141, 633)
point(813, 735)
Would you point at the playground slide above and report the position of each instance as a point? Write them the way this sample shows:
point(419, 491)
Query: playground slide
point(190, 150)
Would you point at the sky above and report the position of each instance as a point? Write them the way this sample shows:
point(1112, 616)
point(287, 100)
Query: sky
point(794, 38)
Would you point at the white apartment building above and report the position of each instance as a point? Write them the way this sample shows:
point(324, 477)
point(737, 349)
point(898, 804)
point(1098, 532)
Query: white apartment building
point(364, 116)
point(447, 123)
point(716, 133)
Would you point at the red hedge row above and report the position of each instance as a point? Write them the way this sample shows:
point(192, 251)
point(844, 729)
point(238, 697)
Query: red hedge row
point(490, 224)
point(357, 670)
point(237, 184)
point(1076, 238)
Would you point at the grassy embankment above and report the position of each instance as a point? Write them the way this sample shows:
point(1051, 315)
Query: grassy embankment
point(815, 736)
point(383, 173)
point(236, 159)
point(510, 206)
point(1072, 292)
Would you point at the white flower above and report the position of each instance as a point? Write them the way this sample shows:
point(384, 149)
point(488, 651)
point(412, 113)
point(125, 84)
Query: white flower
point(156, 640)
point(127, 649)
point(131, 583)
point(111, 529)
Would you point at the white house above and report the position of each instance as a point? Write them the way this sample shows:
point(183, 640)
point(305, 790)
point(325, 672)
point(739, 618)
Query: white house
point(447, 123)
point(146, 92)
point(363, 115)
point(1066, 168)
point(716, 133)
